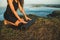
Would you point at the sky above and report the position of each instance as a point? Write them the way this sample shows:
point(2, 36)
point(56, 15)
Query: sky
point(3, 3)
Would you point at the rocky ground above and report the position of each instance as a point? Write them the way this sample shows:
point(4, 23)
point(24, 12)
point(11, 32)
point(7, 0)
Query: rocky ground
point(42, 29)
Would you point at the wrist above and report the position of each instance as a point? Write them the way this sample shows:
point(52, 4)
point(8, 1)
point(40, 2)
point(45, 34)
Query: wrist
point(25, 16)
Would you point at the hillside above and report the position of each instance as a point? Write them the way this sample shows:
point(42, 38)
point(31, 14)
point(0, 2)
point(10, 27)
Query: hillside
point(42, 29)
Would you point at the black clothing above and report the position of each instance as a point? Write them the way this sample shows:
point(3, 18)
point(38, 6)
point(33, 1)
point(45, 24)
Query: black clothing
point(9, 15)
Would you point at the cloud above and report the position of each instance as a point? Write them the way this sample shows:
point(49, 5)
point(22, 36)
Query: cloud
point(4, 2)
point(42, 1)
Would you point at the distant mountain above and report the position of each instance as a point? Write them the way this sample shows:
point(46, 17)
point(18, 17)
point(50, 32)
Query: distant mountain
point(46, 5)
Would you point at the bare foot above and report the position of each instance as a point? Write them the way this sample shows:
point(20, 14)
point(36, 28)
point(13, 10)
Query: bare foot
point(8, 22)
point(5, 22)
point(16, 23)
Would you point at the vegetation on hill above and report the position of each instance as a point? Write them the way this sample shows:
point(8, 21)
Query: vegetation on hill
point(42, 29)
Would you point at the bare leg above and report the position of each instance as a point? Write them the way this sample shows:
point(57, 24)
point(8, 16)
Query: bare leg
point(8, 22)
point(15, 24)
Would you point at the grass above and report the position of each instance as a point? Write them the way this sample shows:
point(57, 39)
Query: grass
point(42, 29)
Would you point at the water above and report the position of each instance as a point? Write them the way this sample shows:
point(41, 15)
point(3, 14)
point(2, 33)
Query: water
point(39, 11)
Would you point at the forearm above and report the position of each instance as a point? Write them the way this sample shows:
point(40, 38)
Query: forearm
point(23, 12)
point(12, 8)
point(21, 9)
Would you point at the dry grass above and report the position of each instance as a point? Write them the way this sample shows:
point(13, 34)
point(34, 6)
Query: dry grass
point(43, 29)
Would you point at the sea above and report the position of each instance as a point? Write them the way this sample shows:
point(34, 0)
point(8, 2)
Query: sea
point(38, 11)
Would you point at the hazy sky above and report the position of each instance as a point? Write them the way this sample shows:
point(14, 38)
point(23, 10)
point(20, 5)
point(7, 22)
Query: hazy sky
point(4, 3)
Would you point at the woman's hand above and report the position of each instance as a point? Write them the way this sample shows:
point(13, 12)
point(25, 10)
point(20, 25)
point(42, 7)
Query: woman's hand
point(22, 21)
point(27, 18)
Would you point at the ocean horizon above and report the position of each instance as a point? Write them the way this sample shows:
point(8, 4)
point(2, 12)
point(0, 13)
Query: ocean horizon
point(38, 11)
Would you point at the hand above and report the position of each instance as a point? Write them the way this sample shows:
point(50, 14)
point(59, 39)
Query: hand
point(27, 18)
point(22, 21)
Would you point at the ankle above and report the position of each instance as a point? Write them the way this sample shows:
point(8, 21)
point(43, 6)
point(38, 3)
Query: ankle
point(5, 22)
